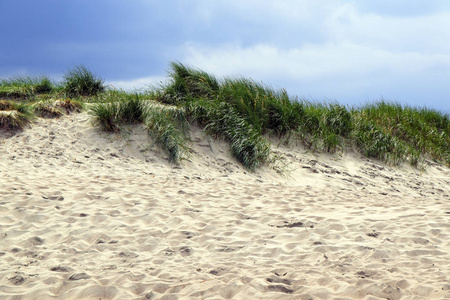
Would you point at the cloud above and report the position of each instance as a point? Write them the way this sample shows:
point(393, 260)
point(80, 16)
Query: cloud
point(345, 49)
point(360, 54)
point(311, 62)
point(423, 33)
point(138, 83)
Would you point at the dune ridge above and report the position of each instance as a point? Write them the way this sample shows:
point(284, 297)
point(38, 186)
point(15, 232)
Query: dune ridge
point(90, 215)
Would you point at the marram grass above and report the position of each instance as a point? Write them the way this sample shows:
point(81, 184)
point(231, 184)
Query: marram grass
point(243, 111)
point(238, 110)
point(221, 119)
point(55, 108)
point(115, 108)
point(14, 116)
point(80, 81)
point(26, 87)
point(167, 125)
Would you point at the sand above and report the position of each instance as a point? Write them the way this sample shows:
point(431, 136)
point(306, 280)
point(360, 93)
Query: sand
point(90, 215)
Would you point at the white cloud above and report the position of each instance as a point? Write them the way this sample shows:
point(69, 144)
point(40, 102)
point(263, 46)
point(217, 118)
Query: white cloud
point(423, 33)
point(137, 84)
point(362, 55)
point(311, 62)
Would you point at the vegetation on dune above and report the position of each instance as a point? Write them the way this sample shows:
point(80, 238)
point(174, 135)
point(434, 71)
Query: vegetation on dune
point(14, 116)
point(242, 112)
point(238, 110)
point(80, 81)
point(167, 125)
point(26, 87)
point(419, 132)
point(222, 120)
point(55, 108)
point(27, 97)
point(112, 109)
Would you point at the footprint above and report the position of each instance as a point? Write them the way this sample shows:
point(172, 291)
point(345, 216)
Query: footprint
point(278, 280)
point(60, 269)
point(17, 279)
point(79, 276)
point(217, 272)
point(280, 288)
point(37, 241)
point(185, 251)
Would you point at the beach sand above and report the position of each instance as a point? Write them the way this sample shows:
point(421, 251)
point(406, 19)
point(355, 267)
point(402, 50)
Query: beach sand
point(90, 215)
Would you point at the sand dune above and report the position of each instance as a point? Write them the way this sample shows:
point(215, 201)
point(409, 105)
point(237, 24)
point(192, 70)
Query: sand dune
point(89, 215)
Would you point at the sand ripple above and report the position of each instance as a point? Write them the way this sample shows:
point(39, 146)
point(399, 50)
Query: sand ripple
point(84, 215)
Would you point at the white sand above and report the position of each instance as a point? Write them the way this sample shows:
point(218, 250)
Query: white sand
point(87, 215)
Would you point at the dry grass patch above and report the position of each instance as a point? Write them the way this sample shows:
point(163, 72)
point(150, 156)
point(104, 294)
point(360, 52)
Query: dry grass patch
point(55, 109)
point(6, 105)
point(13, 120)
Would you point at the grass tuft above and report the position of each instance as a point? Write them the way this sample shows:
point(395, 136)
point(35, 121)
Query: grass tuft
point(166, 124)
point(168, 127)
point(26, 87)
point(80, 81)
point(187, 83)
point(56, 108)
point(116, 108)
point(222, 120)
point(14, 116)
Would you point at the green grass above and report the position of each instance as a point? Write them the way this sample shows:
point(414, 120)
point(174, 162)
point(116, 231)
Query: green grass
point(423, 132)
point(243, 112)
point(221, 119)
point(14, 115)
point(26, 87)
point(238, 110)
point(80, 81)
point(187, 83)
point(166, 124)
point(113, 109)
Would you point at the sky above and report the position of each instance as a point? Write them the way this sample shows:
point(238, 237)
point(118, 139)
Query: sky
point(352, 52)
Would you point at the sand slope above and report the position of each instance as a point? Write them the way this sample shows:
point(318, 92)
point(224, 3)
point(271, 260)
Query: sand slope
point(87, 215)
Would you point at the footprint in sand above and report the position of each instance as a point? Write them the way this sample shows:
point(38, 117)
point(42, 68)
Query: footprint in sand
point(17, 279)
point(79, 276)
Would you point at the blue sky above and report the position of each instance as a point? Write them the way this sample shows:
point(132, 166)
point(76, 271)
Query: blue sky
point(348, 51)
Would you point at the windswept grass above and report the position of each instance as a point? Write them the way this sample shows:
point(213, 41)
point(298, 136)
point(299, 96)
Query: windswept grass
point(26, 87)
point(238, 110)
point(116, 108)
point(243, 111)
point(56, 108)
point(221, 119)
point(423, 132)
point(80, 81)
point(187, 83)
point(167, 125)
point(14, 116)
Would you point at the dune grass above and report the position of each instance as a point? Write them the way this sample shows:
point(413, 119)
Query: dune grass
point(80, 81)
point(14, 115)
point(238, 110)
point(114, 108)
point(243, 112)
point(166, 124)
point(168, 127)
point(222, 120)
point(26, 87)
point(52, 108)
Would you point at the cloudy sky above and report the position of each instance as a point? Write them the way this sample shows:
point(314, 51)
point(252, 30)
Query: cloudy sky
point(348, 51)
